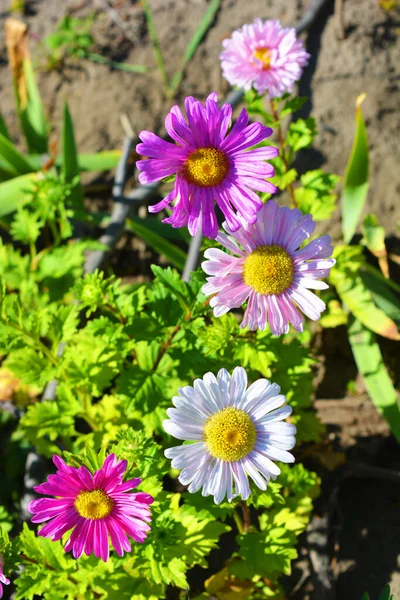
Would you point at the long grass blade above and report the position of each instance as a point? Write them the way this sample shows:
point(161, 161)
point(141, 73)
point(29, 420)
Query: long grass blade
point(370, 363)
point(14, 158)
point(69, 156)
point(194, 43)
point(175, 255)
point(129, 68)
point(355, 185)
point(156, 44)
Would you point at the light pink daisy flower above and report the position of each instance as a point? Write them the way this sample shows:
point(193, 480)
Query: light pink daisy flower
point(265, 56)
point(3, 578)
point(237, 433)
point(95, 506)
point(269, 270)
point(210, 163)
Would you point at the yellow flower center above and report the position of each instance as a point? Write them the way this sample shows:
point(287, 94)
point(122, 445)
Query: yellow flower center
point(206, 167)
point(94, 505)
point(268, 270)
point(230, 434)
point(264, 55)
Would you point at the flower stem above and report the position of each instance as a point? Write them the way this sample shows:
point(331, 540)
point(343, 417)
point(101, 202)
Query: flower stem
point(282, 148)
point(246, 516)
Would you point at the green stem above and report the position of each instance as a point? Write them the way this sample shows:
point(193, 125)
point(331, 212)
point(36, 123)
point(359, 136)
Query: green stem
point(156, 44)
point(282, 145)
point(102, 60)
point(238, 522)
point(246, 516)
point(39, 344)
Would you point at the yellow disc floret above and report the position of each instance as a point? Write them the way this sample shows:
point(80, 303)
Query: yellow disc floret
point(205, 167)
point(263, 54)
point(230, 434)
point(94, 504)
point(268, 269)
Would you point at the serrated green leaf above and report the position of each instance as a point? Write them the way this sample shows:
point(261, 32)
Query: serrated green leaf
point(355, 184)
point(172, 281)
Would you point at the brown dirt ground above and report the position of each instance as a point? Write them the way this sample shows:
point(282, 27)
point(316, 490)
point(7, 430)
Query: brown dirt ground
point(367, 530)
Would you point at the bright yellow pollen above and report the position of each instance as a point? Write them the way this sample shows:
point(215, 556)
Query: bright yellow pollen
point(205, 167)
point(268, 270)
point(229, 434)
point(264, 55)
point(94, 505)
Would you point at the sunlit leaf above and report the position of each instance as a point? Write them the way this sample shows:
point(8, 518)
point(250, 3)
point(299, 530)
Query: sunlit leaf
point(346, 277)
point(374, 239)
point(355, 185)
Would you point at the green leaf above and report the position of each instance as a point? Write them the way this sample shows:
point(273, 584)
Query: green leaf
point(172, 281)
point(32, 117)
point(16, 160)
point(382, 294)
point(301, 134)
point(3, 128)
point(315, 195)
point(28, 366)
point(292, 105)
point(15, 191)
point(355, 185)
point(99, 161)
point(51, 419)
point(159, 244)
point(385, 593)
point(370, 363)
point(69, 157)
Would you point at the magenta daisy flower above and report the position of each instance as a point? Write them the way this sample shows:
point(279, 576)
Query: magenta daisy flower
point(209, 164)
point(238, 433)
point(95, 506)
point(3, 578)
point(265, 56)
point(269, 270)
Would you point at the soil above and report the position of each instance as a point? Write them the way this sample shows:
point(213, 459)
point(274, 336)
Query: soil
point(363, 522)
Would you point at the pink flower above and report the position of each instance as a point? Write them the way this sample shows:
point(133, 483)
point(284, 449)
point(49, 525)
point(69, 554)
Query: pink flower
point(3, 578)
point(269, 270)
point(95, 506)
point(265, 56)
point(210, 164)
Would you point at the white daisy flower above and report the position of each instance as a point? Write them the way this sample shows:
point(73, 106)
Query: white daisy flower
point(237, 433)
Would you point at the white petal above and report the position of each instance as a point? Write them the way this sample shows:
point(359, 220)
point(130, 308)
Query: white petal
point(238, 385)
point(241, 481)
point(183, 433)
